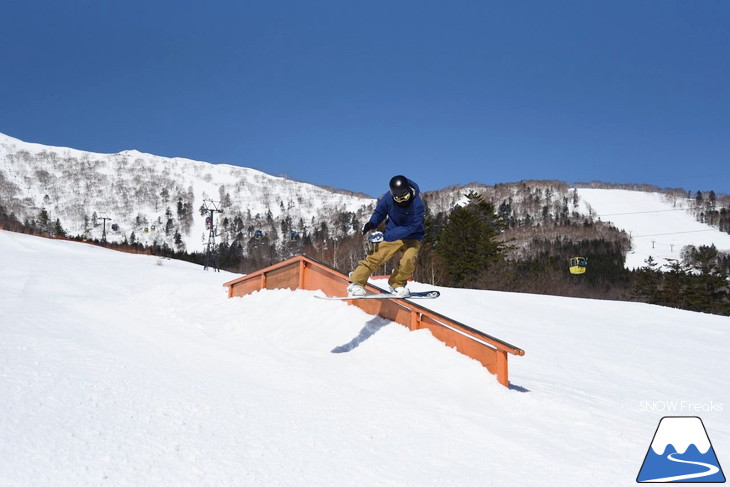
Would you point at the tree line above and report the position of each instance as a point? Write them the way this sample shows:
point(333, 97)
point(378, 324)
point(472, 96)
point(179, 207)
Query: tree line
point(474, 247)
point(479, 245)
point(698, 281)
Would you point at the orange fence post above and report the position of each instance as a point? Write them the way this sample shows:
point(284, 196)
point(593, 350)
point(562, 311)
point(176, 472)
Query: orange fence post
point(502, 370)
point(302, 269)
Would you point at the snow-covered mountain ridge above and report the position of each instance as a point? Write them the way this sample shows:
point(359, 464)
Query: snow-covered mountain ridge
point(159, 200)
point(157, 197)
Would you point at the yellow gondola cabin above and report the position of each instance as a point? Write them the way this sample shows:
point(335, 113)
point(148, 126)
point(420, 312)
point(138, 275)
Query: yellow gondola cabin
point(578, 265)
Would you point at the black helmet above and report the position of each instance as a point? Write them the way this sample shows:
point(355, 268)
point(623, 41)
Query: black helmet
point(400, 188)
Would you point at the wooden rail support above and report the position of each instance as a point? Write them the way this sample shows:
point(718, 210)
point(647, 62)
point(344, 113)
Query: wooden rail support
point(303, 272)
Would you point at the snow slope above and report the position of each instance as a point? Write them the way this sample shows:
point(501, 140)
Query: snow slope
point(116, 370)
point(659, 226)
point(135, 191)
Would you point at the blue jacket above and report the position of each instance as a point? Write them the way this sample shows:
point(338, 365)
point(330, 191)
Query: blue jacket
point(403, 222)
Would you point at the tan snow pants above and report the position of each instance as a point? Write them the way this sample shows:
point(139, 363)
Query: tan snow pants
point(383, 252)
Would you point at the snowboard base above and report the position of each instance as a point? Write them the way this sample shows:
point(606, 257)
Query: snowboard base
point(413, 295)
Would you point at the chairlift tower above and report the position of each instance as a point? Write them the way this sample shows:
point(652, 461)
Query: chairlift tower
point(211, 253)
point(103, 232)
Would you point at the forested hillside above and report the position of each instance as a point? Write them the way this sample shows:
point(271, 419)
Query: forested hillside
point(510, 236)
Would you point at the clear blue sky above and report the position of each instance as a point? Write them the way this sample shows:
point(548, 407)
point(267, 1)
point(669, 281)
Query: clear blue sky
point(347, 94)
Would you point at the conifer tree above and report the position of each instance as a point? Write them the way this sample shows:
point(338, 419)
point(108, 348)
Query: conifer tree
point(707, 287)
point(44, 221)
point(648, 282)
point(675, 284)
point(58, 230)
point(468, 242)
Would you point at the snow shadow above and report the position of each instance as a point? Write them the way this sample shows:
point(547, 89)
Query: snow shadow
point(515, 387)
point(370, 329)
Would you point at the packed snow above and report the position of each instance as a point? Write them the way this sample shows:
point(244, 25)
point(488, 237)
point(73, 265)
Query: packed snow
point(659, 226)
point(128, 370)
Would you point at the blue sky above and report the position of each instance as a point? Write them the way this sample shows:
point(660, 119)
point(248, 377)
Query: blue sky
point(347, 94)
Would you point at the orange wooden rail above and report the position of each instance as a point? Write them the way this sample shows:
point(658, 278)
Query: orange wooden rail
point(303, 272)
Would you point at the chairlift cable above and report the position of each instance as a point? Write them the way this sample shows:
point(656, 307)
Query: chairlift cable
point(674, 233)
point(642, 212)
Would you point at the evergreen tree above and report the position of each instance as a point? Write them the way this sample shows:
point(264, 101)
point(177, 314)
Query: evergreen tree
point(44, 221)
point(707, 287)
point(58, 230)
point(648, 282)
point(468, 244)
point(675, 283)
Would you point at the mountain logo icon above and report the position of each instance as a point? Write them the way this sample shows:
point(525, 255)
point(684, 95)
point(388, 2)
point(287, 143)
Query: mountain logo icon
point(681, 452)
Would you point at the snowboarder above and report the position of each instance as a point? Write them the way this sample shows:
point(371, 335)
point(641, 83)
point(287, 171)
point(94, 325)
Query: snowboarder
point(403, 208)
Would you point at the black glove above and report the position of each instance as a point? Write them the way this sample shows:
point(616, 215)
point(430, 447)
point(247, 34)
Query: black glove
point(368, 226)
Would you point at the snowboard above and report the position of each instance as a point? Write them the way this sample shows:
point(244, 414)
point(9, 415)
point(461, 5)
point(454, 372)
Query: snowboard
point(414, 295)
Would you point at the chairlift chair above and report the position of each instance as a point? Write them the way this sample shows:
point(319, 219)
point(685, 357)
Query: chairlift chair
point(578, 265)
